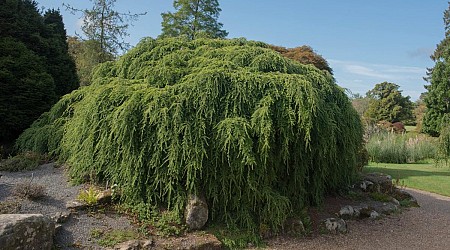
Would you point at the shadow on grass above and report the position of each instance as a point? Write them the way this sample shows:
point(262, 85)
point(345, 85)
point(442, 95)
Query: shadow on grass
point(403, 173)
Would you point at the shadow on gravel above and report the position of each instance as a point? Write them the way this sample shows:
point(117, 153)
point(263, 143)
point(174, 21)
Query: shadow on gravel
point(64, 238)
point(50, 201)
point(5, 190)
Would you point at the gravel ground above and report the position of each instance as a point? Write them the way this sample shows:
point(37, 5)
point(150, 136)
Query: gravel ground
point(77, 231)
point(426, 227)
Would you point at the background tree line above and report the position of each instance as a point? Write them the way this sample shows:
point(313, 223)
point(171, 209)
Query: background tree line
point(35, 67)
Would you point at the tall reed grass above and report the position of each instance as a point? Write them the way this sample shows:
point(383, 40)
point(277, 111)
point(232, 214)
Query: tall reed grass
point(401, 148)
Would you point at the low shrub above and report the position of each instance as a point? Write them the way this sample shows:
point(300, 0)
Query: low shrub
point(24, 161)
point(443, 155)
point(29, 190)
point(400, 148)
point(9, 207)
point(110, 238)
point(153, 220)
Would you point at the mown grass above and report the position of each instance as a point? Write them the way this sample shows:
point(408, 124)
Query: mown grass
point(424, 176)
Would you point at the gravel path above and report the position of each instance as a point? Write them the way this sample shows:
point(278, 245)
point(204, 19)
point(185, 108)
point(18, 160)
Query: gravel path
point(427, 227)
point(77, 231)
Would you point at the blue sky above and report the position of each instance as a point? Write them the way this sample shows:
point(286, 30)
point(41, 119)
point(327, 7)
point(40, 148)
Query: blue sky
point(365, 42)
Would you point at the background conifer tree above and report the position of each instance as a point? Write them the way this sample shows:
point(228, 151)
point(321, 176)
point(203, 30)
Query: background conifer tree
point(437, 99)
point(193, 18)
point(35, 67)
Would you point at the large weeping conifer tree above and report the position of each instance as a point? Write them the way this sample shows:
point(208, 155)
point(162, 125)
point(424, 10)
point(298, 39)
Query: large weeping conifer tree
point(259, 135)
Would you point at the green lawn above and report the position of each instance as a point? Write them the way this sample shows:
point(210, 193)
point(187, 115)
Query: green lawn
point(410, 128)
point(426, 177)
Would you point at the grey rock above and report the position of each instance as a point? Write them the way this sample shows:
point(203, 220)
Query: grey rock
point(196, 212)
point(396, 202)
point(335, 225)
point(135, 245)
point(347, 212)
point(385, 208)
point(374, 215)
point(26, 231)
point(402, 195)
point(382, 183)
point(76, 205)
point(294, 227)
point(61, 217)
point(104, 197)
point(366, 185)
point(364, 210)
point(58, 227)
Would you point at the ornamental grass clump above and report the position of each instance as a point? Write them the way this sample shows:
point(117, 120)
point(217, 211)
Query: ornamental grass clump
point(258, 135)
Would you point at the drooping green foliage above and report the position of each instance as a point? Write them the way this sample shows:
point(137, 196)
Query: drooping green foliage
point(259, 135)
point(387, 103)
point(35, 67)
point(194, 19)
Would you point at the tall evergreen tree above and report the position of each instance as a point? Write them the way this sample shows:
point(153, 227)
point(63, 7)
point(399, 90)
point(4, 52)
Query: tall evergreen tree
point(26, 89)
point(437, 99)
point(59, 63)
point(107, 27)
point(35, 68)
point(193, 18)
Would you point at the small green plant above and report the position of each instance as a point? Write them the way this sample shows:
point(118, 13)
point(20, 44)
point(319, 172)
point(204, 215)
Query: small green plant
point(408, 203)
point(352, 195)
point(9, 207)
point(89, 196)
point(114, 237)
point(96, 233)
point(237, 239)
point(399, 183)
point(380, 197)
point(154, 220)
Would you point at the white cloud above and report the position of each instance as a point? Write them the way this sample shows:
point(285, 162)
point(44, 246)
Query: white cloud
point(360, 77)
point(364, 71)
point(421, 52)
point(79, 24)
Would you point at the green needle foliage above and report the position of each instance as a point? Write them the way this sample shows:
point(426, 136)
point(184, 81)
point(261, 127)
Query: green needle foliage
point(259, 135)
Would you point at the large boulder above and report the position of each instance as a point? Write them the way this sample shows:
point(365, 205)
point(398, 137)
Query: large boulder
point(381, 183)
point(405, 198)
point(26, 231)
point(335, 225)
point(196, 213)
